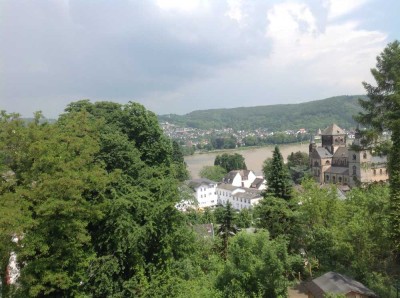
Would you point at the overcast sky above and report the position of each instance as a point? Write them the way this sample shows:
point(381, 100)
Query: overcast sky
point(176, 56)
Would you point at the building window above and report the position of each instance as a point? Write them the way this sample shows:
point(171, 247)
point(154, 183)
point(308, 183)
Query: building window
point(334, 179)
point(340, 179)
point(354, 157)
point(327, 178)
point(380, 171)
point(354, 170)
point(365, 155)
point(327, 162)
point(374, 172)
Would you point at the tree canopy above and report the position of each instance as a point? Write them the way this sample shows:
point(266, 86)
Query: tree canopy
point(230, 162)
point(381, 111)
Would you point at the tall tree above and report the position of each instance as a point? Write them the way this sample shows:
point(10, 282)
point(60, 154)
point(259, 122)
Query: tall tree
point(227, 228)
point(278, 179)
point(382, 112)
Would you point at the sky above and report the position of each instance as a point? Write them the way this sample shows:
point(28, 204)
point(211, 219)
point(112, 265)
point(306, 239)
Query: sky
point(177, 56)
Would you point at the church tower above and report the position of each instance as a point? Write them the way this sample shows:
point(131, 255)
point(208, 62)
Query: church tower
point(332, 138)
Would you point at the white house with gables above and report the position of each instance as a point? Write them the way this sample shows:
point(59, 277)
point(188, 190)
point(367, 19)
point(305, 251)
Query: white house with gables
point(244, 178)
point(204, 191)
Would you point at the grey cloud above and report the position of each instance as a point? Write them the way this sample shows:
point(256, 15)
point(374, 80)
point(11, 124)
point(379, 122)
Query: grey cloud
point(112, 49)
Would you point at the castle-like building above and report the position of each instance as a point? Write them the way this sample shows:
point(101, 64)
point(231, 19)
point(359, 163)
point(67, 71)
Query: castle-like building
point(334, 162)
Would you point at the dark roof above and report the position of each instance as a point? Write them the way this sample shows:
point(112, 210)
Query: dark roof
point(321, 152)
point(257, 183)
point(341, 152)
point(230, 176)
point(379, 159)
point(338, 170)
point(336, 283)
point(333, 130)
point(195, 183)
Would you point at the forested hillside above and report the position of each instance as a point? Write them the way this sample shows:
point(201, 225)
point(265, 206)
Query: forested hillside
point(310, 115)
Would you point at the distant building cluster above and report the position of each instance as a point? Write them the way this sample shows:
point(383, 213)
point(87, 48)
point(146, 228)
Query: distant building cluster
point(201, 137)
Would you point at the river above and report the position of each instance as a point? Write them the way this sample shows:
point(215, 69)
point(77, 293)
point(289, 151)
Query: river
point(254, 157)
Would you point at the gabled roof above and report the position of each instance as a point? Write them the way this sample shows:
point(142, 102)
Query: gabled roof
point(230, 176)
point(332, 130)
point(244, 174)
point(336, 283)
point(257, 182)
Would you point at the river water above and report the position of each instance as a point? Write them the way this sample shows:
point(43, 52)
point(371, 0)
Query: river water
point(254, 157)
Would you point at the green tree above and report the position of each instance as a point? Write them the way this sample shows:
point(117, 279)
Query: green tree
point(278, 179)
point(382, 112)
point(297, 159)
point(227, 228)
point(214, 173)
point(276, 216)
point(230, 162)
point(298, 165)
point(256, 267)
point(181, 171)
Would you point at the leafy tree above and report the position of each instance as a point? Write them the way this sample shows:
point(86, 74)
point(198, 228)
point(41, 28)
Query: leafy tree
point(245, 218)
point(381, 111)
point(230, 162)
point(298, 165)
point(297, 159)
point(214, 173)
point(179, 162)
point(256, 267)
point(278, 179)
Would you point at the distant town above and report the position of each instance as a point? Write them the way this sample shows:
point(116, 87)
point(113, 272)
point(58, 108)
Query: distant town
point(195, 139)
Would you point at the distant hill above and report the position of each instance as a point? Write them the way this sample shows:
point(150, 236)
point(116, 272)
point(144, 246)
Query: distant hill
point(309, 115)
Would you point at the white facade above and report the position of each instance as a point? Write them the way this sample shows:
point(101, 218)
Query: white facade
point(204, 191)
point(239, 197)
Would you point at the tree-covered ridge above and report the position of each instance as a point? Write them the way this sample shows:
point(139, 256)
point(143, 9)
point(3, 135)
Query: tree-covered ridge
point(310, 115)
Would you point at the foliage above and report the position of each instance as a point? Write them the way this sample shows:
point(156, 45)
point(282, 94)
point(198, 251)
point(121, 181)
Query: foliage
point(227, 228)
point(311, 115)
point(181, 171)
point(277, 176)
point(381, 111)
point(256, 267)
point(230, 162)
point(276, 216)
point(214, 173)
point(297, 159)
point(298, 165)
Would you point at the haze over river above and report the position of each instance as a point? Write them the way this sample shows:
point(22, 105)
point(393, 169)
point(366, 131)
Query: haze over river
point(254, 157)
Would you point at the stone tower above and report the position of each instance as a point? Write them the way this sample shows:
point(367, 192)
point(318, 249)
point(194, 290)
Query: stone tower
point(332, 138)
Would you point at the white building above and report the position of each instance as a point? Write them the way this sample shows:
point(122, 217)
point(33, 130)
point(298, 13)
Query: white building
point(239, 197)
point(244, 178)
point(204, 191)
